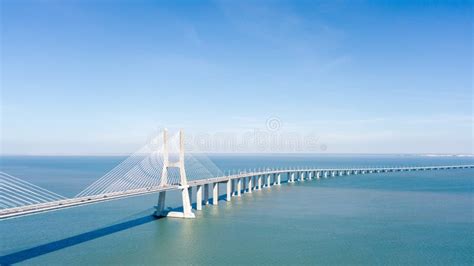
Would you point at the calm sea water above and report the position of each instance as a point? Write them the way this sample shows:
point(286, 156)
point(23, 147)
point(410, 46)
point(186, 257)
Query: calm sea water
point(394, 218)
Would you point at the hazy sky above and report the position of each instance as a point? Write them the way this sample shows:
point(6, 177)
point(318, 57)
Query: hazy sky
point(82, 77)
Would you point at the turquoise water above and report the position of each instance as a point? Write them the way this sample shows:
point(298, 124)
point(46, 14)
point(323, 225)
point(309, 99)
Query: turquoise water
point(393, 218)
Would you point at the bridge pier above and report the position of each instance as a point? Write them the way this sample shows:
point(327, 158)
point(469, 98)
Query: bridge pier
point(229, 189)
point(199, 197)
point(206, 194)
point(215, 193)
point(292, 177)
point(259, 182)
point(234, 187)
point(278, 179)
point(302, 176)
point(160, 207)
point(233, 192)
point(239, 187)
point(190, 193)
point(269, 180)
point(310, 175)
point(249, 184)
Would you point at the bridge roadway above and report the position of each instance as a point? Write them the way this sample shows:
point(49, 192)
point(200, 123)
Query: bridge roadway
point(235, 185)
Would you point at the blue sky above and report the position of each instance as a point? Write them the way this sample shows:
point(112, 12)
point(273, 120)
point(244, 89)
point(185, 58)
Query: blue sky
point(93, 77)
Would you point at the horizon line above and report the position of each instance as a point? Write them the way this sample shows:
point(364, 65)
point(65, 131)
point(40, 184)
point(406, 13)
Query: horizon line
point(251, 153)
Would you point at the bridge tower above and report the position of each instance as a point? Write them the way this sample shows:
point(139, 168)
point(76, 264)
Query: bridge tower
point(183, 184)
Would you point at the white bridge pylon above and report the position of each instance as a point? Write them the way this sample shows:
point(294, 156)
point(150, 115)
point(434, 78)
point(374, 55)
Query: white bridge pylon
point(183, 181)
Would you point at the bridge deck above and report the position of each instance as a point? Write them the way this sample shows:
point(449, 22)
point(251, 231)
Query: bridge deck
point(73, 202)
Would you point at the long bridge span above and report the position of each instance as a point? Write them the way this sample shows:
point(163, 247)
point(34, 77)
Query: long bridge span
point(236, 185)
point(20, 198)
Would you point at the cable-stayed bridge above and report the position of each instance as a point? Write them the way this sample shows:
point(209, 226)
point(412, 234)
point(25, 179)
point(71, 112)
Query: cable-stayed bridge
point(161, 166)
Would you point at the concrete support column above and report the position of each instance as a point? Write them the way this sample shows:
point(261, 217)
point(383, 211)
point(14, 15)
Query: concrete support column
point(269, 180)
point(293, 177)
point(278, 179)
point(160, 207)
point(318, 175)
point(239, 187)
point(199, 197)
point(310, 175)
point(249, 184)
point(206, 194)
point(333, 174)
point(325, 174)
point(190, 193)
point(215, 193)
point(259, 182)
point(234, 187)
point(229, 189)
point(232, 182)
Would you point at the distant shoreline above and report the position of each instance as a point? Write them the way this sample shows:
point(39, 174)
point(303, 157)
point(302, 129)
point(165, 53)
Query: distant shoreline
point(250, 153)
